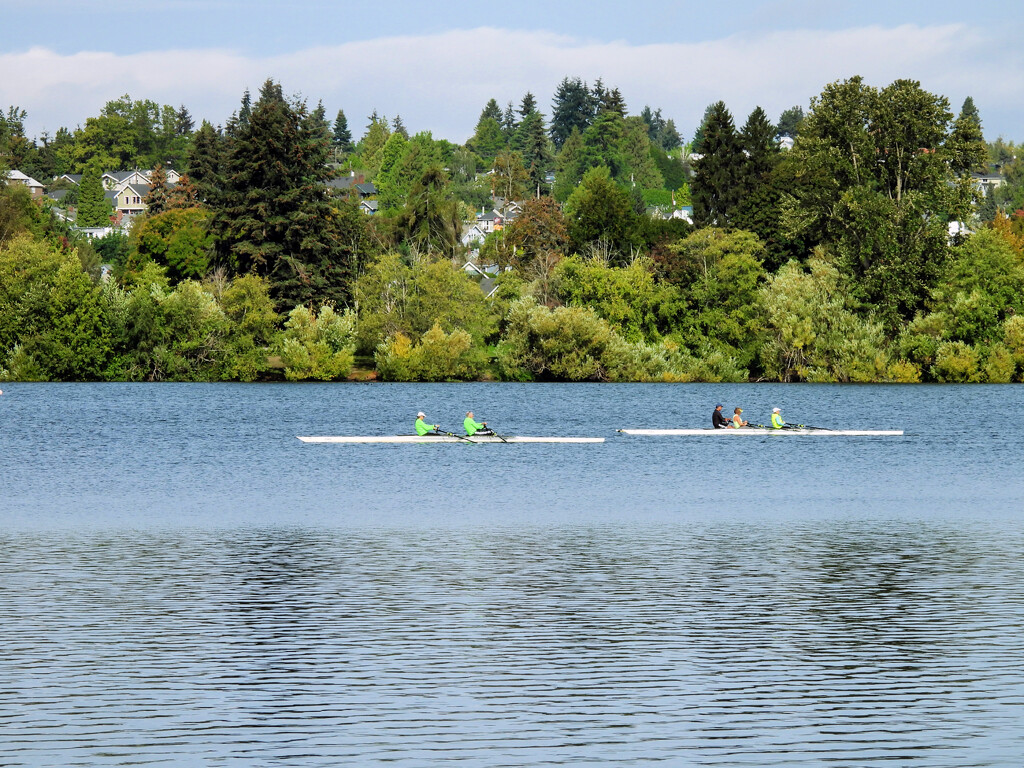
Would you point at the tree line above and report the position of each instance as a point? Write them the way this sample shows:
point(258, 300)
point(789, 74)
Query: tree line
point(867, 252)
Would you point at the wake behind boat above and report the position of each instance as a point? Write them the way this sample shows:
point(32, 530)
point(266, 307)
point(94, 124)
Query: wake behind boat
point(449, 438)
point(765, 431)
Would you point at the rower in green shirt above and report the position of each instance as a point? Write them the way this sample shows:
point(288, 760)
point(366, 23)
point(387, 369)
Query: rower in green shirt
point(423, 428)
point(777, 422)
point(474, 427)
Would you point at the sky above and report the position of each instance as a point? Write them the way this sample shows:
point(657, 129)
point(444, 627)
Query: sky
point(437, 64)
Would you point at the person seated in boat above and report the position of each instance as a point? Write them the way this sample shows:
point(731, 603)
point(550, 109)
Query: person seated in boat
point(475, 427)
point(718, 420)
point(737, 419)
point(422, 428)
point(777, 422)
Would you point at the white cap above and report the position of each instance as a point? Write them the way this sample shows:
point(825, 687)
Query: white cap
point(421, 415)
point(775, 410)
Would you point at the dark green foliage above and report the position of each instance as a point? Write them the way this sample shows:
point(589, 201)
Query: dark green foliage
point(275, 218)
point(601, 218)
point(341, 137)
point(527, 105)
point(719, 173)
point(573, 108)
point(206, 163)
point(430, 220)
point(93, 208)
point(789, 122)
point(532, 142)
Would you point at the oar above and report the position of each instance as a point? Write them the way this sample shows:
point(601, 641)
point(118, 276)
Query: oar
point(500, 437)
point(460, 437)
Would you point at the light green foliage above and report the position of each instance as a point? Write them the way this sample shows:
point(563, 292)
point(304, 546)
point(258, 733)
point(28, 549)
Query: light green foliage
point(1013, 339)
point(318, 346)
point(564, 344)
point(52, 324)
point(438, 356)
point(178, 239)
point(626, 297)
point(718, 274)
point(811, 332)
point(956, 361)
point(394, 297)
point(252, 331)
point(999, 367)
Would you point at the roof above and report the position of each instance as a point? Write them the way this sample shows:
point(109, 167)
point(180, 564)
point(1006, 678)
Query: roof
point(22, 178)
point(367, 188)
point(343, 182)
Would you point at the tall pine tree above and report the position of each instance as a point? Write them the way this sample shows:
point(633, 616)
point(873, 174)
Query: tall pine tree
point(275, 218)
point(342, 136)
point(573, 107)
point(718, 174)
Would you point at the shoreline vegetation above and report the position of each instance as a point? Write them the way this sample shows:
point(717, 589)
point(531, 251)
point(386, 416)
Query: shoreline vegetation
point(585, 245)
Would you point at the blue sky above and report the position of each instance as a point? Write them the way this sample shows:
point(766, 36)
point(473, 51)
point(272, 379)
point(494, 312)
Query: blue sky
point(436, 64)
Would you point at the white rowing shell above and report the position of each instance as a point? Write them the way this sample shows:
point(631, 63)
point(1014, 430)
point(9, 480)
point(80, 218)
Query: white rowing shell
point(703, 432)
point(446, 439)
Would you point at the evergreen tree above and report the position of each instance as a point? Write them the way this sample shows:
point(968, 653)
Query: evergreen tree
point(184, 122)
point(603, 145)
point(245, 111)
point(613, 102)
point(654, 121)
point(509, 177)
point(698, 135)
point(184, 194)
point(759, 207)
point(206, 163)
point(789, 122)
point(635, 150)
point(342, 136)
point(572, 108)
point(431, 220)
point(491, 110)
point(533, 143)
point(388, 182)
point(527, 105)
point(570, 165)
point(276, 218)
point(718, 174)
point(966, 146)
point(93, 208)
point(159, 193)
point(377, 134)
point(670, 138)
point(397, 126)
point(508, 122)
point(488, 140)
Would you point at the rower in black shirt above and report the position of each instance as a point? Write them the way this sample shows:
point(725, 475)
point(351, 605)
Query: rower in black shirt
point(718, 421)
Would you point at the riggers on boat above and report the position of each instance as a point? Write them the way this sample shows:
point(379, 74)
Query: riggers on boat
point(448, 438)
point(764, 431)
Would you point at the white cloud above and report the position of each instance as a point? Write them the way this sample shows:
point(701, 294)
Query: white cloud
point(440, 82)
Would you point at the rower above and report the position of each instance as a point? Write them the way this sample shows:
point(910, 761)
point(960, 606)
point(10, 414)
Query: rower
point(737, 419)
point(718, 421)
point(423, 428)
point(777, 422)
point(475, 427)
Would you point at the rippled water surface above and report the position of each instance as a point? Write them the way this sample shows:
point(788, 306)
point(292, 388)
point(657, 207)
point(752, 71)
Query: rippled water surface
point(182, 582)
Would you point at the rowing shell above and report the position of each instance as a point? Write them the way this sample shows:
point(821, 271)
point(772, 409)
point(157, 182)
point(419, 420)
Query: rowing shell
point(703, 432)
point(447, 439)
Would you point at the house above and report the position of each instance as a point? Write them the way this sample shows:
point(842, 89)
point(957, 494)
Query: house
point(987, 182)
point(128, 200)
point(368, 207)
point(472, 235)
point(489, 221)
point(786, 142)
point(34, 187)
point(366, 189)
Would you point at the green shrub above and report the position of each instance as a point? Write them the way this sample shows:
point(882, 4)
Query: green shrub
point(318, 346)
point(956, 361)
point(438, 356)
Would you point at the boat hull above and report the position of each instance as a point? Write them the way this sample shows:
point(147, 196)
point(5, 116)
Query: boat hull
point(446, 439)
point(773, 432)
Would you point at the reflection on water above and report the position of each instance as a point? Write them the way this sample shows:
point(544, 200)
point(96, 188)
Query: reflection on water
point(731, 643)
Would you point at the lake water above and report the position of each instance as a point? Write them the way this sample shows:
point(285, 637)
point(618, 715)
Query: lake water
point(182, 582)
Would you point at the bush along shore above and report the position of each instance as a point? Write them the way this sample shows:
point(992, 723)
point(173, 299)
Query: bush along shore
point(867, 252)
